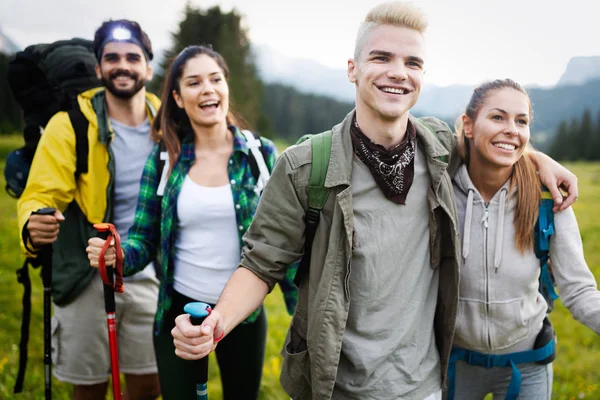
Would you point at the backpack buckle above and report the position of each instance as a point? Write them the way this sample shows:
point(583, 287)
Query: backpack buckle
point(312, 216)
point(478, 359)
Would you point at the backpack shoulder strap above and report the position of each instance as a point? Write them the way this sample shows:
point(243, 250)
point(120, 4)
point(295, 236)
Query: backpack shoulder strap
point(544, 229)
point(317, 196)
point(80, 126)
point(257, 158)
point(321, 151)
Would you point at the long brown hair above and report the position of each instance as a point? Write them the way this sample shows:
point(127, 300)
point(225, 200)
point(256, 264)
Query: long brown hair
point(524, 175)
point(172, 122)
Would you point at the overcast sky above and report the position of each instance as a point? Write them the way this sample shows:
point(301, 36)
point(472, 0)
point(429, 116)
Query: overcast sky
point(468, 40)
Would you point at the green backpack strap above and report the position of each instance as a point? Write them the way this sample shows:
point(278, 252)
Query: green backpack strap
point(321, 151)
point(317, 196)
point(435, 134)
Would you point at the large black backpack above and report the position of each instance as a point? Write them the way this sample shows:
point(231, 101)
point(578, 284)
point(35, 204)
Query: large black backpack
point(44, 79)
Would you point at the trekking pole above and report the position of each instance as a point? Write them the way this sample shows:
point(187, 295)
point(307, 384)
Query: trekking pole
point(112, 284)
point(198, 312)
point(45, 258)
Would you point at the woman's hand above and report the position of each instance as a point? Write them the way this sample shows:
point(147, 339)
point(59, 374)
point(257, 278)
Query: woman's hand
point(556, 178)
point(94, 248)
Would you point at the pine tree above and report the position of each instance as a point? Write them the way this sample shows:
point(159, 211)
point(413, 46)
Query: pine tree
point(585, 152)
point(595, 145)
point(558, 149)
point(10, 111)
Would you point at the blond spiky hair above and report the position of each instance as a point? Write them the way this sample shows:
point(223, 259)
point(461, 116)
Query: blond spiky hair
point(396, 13)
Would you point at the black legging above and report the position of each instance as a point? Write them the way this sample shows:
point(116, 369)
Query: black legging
point(240, 356)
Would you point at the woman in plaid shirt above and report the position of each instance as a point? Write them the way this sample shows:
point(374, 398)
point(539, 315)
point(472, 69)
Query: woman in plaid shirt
point(195, 228)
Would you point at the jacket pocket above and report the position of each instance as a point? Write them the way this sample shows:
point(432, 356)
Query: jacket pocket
point(295, 371)
point(507, 325)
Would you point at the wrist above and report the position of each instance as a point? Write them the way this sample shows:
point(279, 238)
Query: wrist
point(29, 245)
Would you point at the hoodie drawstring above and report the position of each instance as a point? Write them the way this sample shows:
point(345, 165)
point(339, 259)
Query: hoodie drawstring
point(467, 230)
point(500, 229)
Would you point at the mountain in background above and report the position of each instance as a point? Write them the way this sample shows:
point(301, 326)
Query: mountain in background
point(304, 74)
point(577, 90)
point(580, 70)
point(7, 46)
point(310, 76)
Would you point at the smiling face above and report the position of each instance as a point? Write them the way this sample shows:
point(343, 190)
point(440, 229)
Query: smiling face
point(389, 72)
point(123, 69)
point(203, 92)
point(499, 134)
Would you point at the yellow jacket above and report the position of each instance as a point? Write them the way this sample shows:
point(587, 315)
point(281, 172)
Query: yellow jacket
point(52, 181)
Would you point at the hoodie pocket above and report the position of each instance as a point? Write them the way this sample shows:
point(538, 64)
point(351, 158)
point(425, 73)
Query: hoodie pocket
point(470, 324)
point(507, 325)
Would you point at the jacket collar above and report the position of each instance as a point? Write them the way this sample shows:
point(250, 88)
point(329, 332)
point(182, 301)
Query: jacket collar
point(433, 150)
point(97, 99)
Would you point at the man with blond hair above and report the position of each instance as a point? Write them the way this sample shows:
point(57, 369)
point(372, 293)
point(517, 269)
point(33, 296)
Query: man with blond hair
point(377, 305)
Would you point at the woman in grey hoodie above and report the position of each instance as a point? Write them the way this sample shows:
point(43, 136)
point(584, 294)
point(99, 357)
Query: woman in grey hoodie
point(502, 315)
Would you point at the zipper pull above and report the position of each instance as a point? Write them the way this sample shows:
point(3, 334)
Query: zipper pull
point(484, 220)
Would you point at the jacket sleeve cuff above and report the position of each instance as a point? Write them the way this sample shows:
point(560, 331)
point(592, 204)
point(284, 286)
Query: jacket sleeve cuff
point(269, 281)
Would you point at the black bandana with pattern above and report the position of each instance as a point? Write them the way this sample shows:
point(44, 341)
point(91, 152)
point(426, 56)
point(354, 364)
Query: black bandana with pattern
point(393, 169)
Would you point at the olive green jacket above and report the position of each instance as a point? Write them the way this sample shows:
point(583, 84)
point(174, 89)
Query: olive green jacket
point(275, 239)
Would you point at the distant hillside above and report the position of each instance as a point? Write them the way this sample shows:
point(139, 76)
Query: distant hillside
point(306, 75)
point(294, 114)
point(580, 70)
point(443, 102)
point(7, 46)
point(561, 103)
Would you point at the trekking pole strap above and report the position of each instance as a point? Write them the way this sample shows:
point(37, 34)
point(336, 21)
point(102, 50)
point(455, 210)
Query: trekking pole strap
point(23, 278)
point(106, 272)
point(502, 360)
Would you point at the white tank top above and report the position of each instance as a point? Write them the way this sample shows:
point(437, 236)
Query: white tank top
point(207, 248)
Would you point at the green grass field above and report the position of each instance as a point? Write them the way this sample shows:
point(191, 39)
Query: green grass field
point(576, 372)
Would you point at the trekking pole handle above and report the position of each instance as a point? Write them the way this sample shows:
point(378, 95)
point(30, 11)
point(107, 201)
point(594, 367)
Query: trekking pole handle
point(198, 312)
point(45, 211)
point(106, 272)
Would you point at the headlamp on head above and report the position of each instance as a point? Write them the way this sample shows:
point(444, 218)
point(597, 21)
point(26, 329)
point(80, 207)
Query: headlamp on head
point(121, 33)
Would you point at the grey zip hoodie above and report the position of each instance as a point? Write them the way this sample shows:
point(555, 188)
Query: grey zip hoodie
point(500, 308)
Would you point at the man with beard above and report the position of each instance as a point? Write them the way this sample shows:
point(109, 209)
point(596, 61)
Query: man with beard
point(118, 117)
